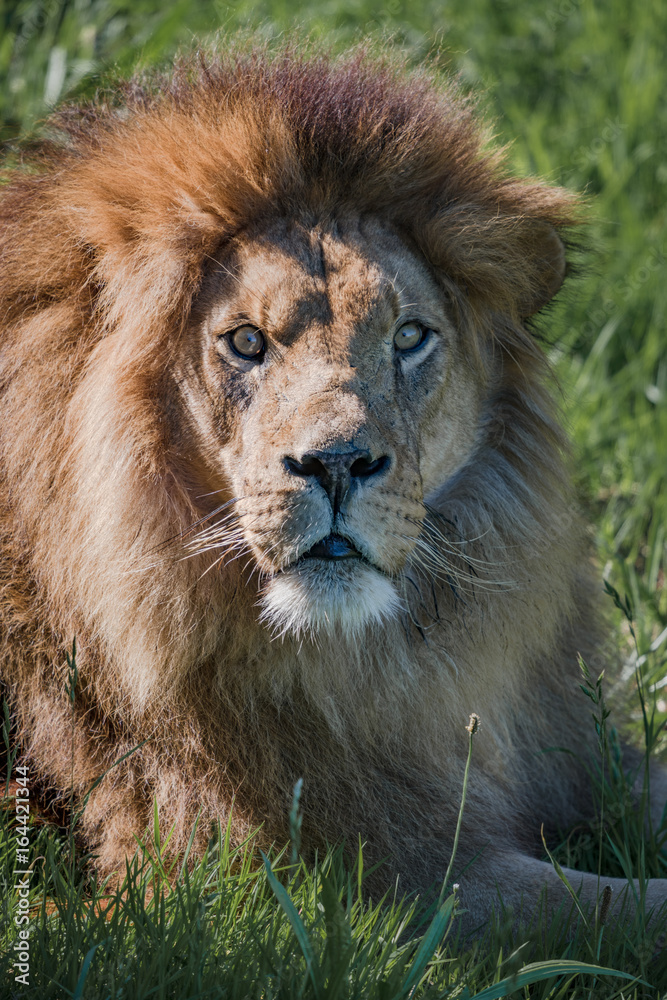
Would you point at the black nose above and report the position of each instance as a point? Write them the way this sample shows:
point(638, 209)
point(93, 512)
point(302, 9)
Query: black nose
point(335, 470)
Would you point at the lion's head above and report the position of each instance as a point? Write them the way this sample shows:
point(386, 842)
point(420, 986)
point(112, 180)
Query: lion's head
point(327, 393)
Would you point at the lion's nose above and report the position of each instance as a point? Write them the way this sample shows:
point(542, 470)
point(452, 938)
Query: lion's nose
point(335, 470)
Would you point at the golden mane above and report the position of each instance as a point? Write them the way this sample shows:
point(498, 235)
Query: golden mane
point(241, 138)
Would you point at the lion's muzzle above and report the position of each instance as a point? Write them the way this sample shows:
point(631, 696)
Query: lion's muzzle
point(335, 470)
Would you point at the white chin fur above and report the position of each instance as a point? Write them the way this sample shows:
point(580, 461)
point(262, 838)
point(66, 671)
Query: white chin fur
point(338, 598)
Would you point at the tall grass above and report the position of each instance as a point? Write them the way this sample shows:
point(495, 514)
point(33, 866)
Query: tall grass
point(230, 925)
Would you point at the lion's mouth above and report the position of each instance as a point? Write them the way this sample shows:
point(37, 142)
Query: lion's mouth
point(334, 555)
point(332, 588)
point(333, 547)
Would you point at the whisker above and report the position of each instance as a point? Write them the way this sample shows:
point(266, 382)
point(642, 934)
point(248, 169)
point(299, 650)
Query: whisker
point(464, 577)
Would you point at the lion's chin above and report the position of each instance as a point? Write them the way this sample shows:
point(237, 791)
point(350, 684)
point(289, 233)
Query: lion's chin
point(338, 598)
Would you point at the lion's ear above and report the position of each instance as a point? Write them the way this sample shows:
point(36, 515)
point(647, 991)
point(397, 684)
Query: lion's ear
point(547, 266)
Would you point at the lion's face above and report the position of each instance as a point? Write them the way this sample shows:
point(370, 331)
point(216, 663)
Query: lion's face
point(328, 394)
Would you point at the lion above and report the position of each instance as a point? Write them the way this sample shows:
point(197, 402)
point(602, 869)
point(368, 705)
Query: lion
point(279, 449)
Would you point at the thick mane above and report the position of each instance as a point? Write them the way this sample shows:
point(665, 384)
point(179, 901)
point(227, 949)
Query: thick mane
point(157, 183)
point(105, 238)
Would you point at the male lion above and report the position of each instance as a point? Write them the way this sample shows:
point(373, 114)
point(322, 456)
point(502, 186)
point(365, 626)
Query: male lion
point(277, 448)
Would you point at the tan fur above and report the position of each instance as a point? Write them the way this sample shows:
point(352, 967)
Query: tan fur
point(147, 506)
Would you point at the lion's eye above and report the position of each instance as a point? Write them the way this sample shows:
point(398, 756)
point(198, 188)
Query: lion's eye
point(409, 336)
point(247, 342)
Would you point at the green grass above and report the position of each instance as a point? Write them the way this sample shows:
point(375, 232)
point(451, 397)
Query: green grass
point(237, 924)
point(577, 88)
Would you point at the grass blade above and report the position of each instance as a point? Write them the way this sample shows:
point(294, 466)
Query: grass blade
point(430, 942)
point(300, 932)
point(545, 970)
